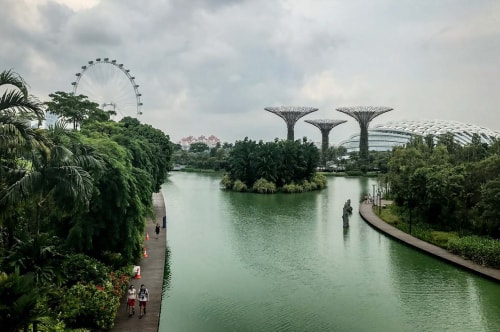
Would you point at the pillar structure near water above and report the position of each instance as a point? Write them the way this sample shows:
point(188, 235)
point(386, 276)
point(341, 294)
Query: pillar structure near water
point(325, 126)
point(364, 115)
point(291, 114)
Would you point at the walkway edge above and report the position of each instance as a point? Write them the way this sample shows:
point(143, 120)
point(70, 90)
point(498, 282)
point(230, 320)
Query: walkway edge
point(152, 267)
point(366, 212)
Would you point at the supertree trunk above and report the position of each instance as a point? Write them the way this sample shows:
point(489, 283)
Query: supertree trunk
point(364, 115)
point(325, 126)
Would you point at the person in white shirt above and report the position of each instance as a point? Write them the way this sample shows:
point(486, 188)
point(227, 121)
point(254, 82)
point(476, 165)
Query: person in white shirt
point(131, 297)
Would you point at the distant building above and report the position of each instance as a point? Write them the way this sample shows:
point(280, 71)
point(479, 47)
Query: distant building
point(384, 137)
point(186, 142)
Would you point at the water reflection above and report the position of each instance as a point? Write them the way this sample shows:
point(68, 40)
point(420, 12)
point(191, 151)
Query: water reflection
point(449, 297)
point(243, 262)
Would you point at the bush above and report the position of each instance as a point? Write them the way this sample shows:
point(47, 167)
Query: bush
point(292, 188)
point(226, 181)
point(308, 186)
point(320, 180)
point(264, 187)
point(483, 251)
point(82, 268)
point(120, 279)
point(89, 306)
point(114, 260)
point(442, 238)
point(239, 186)
point(354, 173)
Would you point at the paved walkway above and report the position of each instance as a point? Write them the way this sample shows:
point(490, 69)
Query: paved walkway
point(152, 268)
point(366, 212)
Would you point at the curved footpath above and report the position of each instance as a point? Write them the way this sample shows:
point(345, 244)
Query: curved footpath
point(152, 268)
point(366, 212)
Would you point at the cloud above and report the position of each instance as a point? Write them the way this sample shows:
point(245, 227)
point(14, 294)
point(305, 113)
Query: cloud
point(210, 67)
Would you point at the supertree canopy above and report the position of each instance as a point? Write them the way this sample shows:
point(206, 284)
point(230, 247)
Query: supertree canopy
point(291, 114)
point(364, 114)
point(325, 126)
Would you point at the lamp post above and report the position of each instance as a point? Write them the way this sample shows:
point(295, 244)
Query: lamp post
point(379, 200)
point(411, 203)
point(373, 197)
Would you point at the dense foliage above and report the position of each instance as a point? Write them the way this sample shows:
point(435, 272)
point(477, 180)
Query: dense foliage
point(450, 187)
point(201, 157)
point(73, 207)
point(289, 166)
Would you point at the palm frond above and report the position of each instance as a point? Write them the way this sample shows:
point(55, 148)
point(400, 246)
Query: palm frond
point(21, 189)
point(13, 78)
point(14, 102)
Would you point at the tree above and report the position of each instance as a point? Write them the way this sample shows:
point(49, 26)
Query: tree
point(76, 109)
point(240, 161)
point(17, 141)
point(489, 208)
point(198, 147)
point(18, 301)
point(55, 175)
point(265, 161)
point(17, 103)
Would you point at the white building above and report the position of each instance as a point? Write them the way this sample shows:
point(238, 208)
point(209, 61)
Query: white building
point(384, 137)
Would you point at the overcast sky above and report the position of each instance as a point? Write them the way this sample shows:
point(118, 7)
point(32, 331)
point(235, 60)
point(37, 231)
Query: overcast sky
point(211, 66)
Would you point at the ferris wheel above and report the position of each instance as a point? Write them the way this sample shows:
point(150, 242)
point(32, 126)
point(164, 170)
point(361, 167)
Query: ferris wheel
point(111, 85)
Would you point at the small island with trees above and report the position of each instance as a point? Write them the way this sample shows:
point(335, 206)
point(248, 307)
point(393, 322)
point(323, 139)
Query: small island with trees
point(279, 166)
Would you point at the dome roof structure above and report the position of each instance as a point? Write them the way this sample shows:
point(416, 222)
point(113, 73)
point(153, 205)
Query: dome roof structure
point(385, 136)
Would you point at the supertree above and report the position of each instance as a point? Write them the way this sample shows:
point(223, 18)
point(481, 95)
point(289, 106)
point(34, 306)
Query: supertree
point(325, 126)
point(291, 114)
point(364, 114)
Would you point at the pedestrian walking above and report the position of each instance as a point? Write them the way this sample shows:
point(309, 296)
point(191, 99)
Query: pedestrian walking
point(157, 230)
point(131, 297)
point(143, 299)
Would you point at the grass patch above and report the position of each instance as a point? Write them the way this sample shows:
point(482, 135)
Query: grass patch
point(421, 231)
point(483, 251)
point(389, 215)
point(441, 239)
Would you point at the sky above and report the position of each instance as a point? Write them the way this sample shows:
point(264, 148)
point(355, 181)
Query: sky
point(210, 67)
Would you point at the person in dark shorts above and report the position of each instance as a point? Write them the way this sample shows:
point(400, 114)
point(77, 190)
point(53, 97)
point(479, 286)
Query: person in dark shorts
point(157, 230)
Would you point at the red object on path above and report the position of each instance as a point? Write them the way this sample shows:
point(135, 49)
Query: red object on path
point(145, 252)
point(147, 236)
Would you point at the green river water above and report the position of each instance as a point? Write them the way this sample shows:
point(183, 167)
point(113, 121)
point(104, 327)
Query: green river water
point(250, 262)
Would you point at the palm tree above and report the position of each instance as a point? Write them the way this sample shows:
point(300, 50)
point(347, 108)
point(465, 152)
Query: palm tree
point(55, 174)
point(18, 301)
point(17, 102)
point(17, 139)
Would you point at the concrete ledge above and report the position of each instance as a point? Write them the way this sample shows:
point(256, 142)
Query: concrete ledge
point(366, 212)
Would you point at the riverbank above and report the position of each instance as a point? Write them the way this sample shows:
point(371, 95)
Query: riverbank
point(366, 212)
point(151, 275)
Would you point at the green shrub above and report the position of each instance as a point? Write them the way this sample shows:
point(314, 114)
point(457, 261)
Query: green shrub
point(226, 181)
point(264, 187)
point(82, 268)
point(483, 251)
point(89, 306)
point(120, 279)
point(292, 188)
point(239, 186)
point(307, 185)
point(320, 180)
point(115, 260)
point(442, 238)
point(354, 173)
